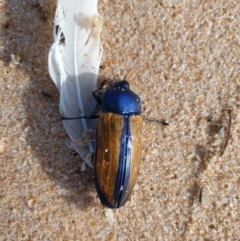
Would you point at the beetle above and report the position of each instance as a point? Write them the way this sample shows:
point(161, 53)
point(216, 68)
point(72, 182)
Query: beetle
point(119, 143)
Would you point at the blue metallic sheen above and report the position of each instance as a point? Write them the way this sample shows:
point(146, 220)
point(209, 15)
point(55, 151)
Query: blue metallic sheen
point(119, 99)
point(119, 143)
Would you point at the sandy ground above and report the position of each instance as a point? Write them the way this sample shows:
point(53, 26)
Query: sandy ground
point(183, 59)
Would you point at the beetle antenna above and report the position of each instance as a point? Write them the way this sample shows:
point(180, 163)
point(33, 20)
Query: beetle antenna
point(162, 122)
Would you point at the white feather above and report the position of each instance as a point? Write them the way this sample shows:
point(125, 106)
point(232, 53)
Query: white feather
point(73, 61)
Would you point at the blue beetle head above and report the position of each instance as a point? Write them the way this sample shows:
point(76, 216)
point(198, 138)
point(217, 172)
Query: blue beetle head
point(119, 99)
point(122, 83)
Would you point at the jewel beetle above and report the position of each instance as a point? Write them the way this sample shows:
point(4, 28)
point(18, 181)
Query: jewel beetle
point(119, 143)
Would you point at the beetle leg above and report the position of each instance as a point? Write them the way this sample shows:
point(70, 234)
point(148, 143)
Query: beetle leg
point(103, 87)
point(96, 97)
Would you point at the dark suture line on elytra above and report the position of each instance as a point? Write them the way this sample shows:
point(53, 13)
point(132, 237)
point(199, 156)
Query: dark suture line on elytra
point(228, 133)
